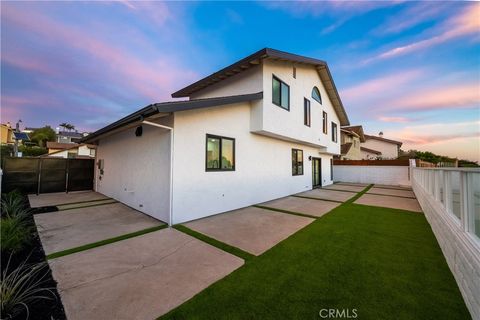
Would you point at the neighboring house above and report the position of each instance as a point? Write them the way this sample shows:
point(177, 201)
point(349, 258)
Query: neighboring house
point(351, 138)
point(29, 130)
point(377, 147)
point(6, 134)
point(370, 154)
point(69, 136)
point(262, 128)
point(70, 150)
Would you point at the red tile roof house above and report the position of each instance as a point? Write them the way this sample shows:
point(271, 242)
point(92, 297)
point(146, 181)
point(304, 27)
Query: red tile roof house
point(249, 133)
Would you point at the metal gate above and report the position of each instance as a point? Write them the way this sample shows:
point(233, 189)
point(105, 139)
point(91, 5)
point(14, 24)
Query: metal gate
point(43, 175)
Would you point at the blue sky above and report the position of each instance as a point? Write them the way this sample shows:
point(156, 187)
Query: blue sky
point(409, 69)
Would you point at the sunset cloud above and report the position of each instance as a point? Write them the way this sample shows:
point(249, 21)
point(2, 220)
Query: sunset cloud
point(394, 119)
point(467, 23)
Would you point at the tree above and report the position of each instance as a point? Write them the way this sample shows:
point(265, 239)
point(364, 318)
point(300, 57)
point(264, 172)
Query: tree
point(70, 127)
point(42, 135)
point(63, 125)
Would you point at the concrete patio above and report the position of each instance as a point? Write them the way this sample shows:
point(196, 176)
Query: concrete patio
point(325, 194)
point(138, 278)
point(63, 230)
point(311, 207)
point(57, 198)
point(392, 192)
point(343, 187)
point(251, 229)
point(390, 201)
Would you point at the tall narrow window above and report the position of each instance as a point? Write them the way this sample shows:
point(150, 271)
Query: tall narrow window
point(316, 95)
point(325, 122)
point(297, 162)
point(334, 132)
point(220, 153)
point(280, 93)
point(331, 169)
point(294, 73)
point(306, 112)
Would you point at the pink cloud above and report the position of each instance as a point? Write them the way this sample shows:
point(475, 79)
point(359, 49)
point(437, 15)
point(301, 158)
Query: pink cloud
point(153, 79)
point(467, 23)
point(379, 86)
point(394, 119)
point(459, 96)
point(17, 59)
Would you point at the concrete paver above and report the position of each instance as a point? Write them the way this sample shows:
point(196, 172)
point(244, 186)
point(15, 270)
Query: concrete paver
point(312, 207)
point(344, 187)
point(392, 187)
point(139, 278)
point(251, 229)
point(53, 199)
point(326, 194)
point(392, 192)
point(353, 184)
point(68, 229)
point(389, 202)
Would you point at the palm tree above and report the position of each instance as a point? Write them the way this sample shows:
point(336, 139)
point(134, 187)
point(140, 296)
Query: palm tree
point(64, 125)
point(70, 127)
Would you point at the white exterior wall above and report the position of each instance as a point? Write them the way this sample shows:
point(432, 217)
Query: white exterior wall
point(390, 175)
point(388, 150)
point(84, 151)
point(137, 170)
point(249, 81)
point(290, 124)
point(263, 165)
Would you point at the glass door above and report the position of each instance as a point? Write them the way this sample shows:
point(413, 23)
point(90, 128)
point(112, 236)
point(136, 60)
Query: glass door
point(317, 172)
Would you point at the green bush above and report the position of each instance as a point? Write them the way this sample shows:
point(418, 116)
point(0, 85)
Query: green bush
point(12, 203)
point(21, 287)
point(32, 151)
point(15, 231)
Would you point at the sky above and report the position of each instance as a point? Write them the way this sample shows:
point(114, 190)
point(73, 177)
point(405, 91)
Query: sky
point(408, 69)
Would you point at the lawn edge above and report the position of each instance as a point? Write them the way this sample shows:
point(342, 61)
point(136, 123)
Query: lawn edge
point(246, 256)
point(286, 211)
point(307, 197)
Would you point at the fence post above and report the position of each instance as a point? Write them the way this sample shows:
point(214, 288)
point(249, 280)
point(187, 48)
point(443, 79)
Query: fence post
point(67, 166)
point(446, 190)
point(39, 168)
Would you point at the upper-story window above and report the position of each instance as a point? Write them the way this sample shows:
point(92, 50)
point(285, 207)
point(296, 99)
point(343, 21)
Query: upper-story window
point(280, 93)
point(334, 132)
point(306, 112)
point(316, 95)
point(325, 122)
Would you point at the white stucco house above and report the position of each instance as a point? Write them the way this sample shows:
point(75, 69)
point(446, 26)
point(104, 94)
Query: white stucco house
point(378, 147)
point(351, 138)
point(265, 127)
point(70, 150)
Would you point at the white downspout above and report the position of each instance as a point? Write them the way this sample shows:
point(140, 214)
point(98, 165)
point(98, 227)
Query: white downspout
point(170, 219)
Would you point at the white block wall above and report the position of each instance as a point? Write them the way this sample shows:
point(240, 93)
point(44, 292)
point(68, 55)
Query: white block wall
point(390, 175)
point(459, 248)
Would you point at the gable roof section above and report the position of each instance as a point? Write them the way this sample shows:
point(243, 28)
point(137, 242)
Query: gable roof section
point(358, 130)
point(384, 140)
point(255, 59)
point(370, 150)
point(344, 148)
point(174, 106)
point(60, 145)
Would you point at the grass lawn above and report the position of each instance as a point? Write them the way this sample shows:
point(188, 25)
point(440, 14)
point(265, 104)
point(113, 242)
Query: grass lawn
point(385, 263)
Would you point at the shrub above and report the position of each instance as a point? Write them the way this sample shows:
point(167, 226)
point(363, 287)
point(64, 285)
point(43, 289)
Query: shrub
point(12, 203)
point(15, 231)
point(21, 287)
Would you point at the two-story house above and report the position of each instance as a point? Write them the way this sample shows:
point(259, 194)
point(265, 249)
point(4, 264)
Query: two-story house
point(378, 147)
point(265, 127)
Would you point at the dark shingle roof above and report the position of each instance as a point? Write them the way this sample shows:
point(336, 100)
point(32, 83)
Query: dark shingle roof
point(370, 150)
point(174, 106)
point(383, 139)
point(344, 148)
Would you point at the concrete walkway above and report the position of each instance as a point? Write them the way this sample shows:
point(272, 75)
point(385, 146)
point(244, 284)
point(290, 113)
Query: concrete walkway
point(139, 278)
point(311, 207)
point(344, 187)
point(395, 202)
point(251, 229)
point(325, 194)
point(54, 199)
point(63, 230)
point(392, 192)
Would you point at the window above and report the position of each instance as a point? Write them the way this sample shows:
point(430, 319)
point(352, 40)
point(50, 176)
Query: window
point(297, 162)
point(280, 93)
point(294, 73)
point(220, 153)
point(92, 152)
point(325, 122)
point(331, 169)
point(316, 95)
point(334, 132)
point(306, 112)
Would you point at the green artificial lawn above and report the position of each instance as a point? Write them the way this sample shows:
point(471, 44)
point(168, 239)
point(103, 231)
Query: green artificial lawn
point(385, 263)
